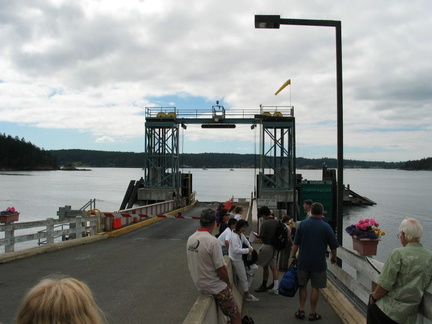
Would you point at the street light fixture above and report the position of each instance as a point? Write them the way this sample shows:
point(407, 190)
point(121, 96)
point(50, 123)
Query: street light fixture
point(274, 21)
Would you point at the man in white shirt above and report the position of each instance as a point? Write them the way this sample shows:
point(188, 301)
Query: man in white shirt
point(224, 238)
point(207, 266)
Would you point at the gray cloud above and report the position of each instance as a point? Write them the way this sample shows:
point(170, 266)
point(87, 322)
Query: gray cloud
point(105, 60)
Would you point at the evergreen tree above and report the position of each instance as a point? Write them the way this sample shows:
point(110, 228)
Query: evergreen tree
point(17, 154)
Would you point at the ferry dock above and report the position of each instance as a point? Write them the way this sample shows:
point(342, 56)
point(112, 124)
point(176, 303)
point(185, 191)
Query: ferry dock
point(137, 266)
point(138, 277)
point(139, 274)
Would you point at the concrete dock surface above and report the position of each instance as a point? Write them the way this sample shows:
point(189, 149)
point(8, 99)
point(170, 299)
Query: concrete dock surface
point(277, 309)
point(139, 277)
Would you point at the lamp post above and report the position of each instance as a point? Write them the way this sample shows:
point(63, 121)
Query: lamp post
point(274, 21)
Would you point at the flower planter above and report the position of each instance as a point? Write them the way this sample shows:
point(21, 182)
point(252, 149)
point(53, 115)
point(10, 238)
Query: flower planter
point(365, 246)
point(9, 218)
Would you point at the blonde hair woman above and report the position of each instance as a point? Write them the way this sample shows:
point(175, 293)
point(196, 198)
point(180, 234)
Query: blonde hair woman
point(60, 300)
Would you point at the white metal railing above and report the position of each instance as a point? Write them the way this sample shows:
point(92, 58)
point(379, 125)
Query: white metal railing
point(46, 231)
point(83, 226)
point(172, 112)
point(363, 281)
point(153, 209)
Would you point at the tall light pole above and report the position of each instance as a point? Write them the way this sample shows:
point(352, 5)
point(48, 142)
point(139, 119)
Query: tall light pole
point(274, 21)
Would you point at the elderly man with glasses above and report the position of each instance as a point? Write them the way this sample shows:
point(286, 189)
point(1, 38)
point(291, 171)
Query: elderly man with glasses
point(405, 276)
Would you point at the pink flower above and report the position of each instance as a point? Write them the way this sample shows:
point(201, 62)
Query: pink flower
point(11, 209)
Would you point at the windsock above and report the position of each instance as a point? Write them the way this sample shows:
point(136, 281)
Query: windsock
point(283, 86)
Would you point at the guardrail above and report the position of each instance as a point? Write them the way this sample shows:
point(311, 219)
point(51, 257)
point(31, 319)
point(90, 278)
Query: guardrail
point(77, 227)
point(173, 112)
point(360, 284)
point(84, 226)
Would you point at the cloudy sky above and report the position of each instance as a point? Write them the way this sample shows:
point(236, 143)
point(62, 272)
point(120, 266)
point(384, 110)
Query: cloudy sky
point(80, 74)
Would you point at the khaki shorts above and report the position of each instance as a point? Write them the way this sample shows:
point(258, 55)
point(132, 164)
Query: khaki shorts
point(318, 279)
point(267, 255)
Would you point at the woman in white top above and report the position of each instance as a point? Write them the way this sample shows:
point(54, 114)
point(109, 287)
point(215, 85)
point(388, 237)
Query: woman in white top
point(236, 252)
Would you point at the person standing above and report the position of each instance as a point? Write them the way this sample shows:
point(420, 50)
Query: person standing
point(267, 254)
point(405, 276)
point(231, 211)
point(238, 211)
point(284, 255)
point(312, 237)
point(293, 229)
point(307, 204)
point(224, 238)
point(239, 245)
point(224, 217)
point(218, 213)
point(207, 266)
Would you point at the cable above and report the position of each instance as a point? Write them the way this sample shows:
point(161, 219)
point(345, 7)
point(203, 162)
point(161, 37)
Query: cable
point(367, 259)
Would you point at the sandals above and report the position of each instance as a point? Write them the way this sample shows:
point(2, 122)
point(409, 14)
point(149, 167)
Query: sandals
point(314, 317)
point(300, 314)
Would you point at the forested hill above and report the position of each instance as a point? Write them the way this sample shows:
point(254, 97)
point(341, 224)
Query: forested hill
point(423, 164)
point(88, 158)
point(17, 154)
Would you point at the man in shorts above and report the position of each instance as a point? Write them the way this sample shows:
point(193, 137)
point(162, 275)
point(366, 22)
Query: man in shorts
point(267, 254)
point(207, 266)
point(312, 237)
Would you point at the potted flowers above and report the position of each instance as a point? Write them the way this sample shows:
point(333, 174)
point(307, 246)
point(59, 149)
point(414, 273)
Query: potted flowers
point(365, 235)
point(9, 215)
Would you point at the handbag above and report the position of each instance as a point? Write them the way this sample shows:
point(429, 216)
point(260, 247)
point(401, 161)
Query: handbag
point(289, 285)
point(250, 258)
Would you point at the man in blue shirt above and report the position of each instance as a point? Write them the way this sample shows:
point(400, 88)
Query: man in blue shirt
point(311, 240)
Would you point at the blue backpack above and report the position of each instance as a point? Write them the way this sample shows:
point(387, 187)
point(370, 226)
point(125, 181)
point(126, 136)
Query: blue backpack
point(289, 285)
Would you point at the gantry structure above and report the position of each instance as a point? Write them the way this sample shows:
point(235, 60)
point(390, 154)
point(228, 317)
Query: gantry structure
point(276, 176)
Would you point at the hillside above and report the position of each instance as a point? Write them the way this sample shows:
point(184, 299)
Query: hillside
point(17, 154)
point(88, 158)
point(423, 164)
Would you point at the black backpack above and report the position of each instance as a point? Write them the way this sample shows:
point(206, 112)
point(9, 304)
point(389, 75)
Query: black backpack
point(281, 237)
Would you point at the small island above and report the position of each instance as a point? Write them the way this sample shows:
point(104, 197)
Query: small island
point(72, 167)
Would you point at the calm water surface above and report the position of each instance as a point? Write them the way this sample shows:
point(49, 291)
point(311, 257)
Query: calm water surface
point(398, 194)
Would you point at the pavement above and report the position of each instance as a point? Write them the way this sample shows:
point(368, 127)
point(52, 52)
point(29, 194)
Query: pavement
point(277, 309)
point(125, 275)
point(139, 277)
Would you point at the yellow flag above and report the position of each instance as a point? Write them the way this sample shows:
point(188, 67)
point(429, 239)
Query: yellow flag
point(283, 86)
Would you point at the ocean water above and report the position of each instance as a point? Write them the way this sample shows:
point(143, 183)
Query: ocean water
point(39, 194)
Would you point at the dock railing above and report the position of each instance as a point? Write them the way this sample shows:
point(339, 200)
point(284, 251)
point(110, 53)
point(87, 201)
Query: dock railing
point(46, 231)
point(84, 226)
point(357, 279)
